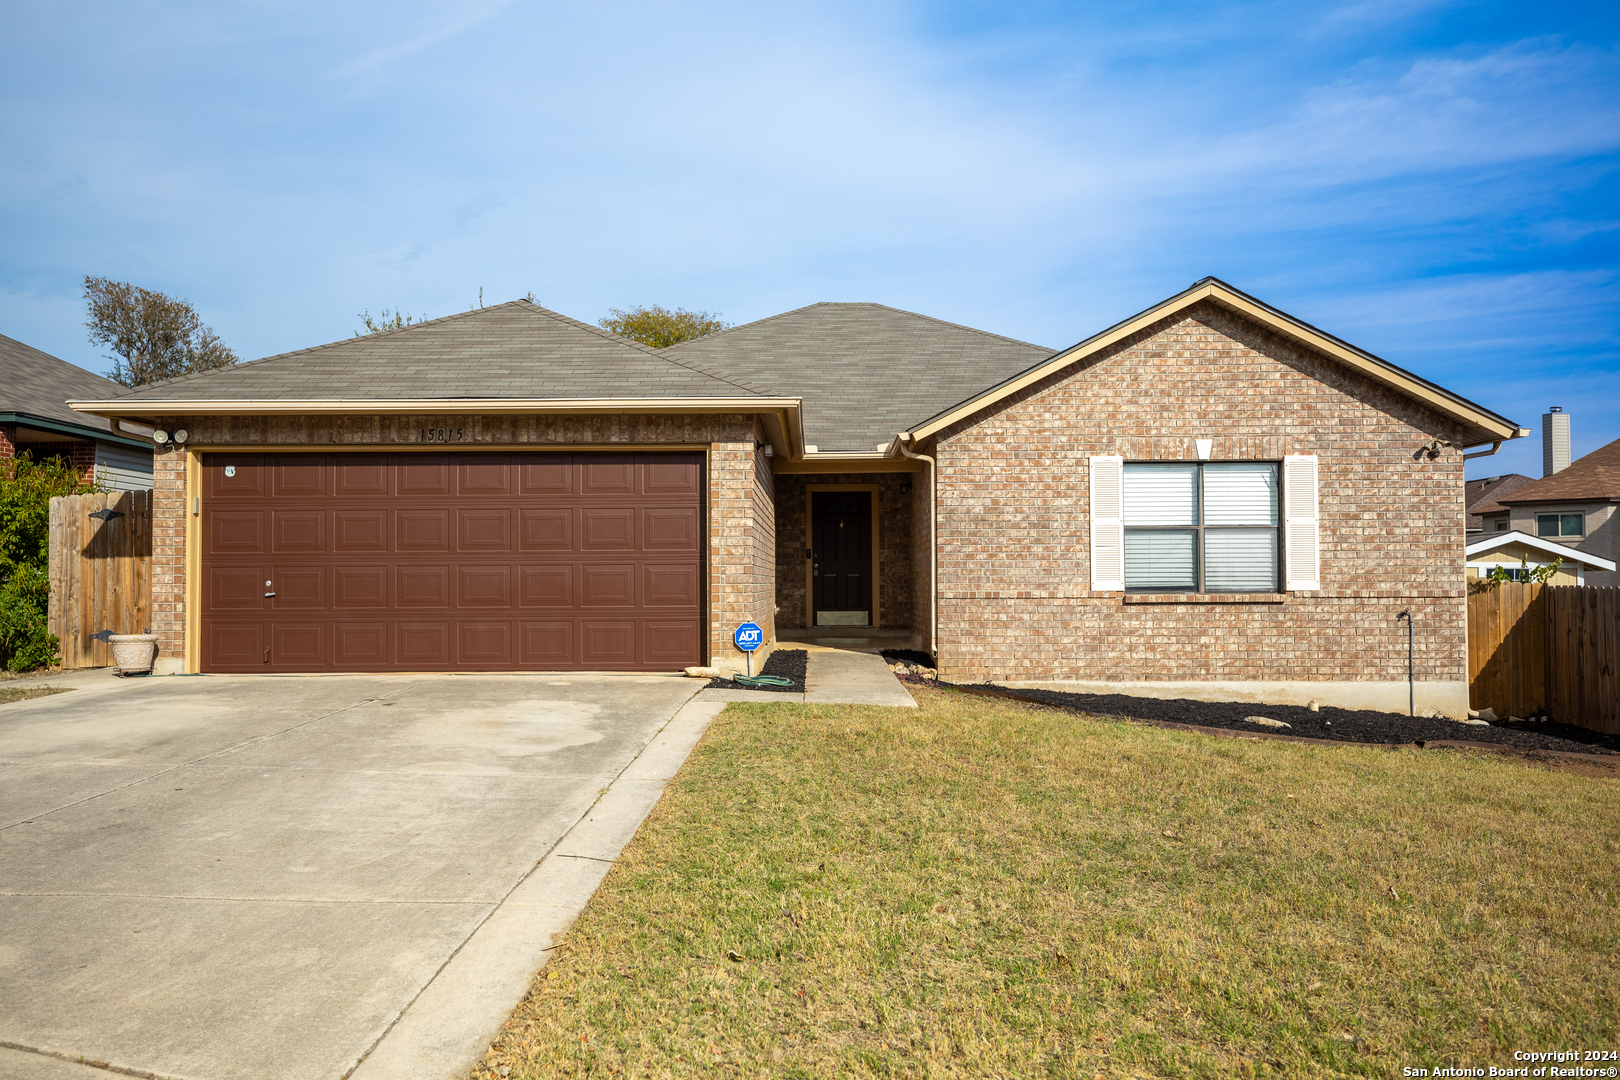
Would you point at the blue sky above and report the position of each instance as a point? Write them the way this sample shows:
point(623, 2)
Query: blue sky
point(1435, 182)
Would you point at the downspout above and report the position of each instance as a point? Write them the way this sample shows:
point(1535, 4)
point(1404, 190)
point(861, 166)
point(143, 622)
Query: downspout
point(933, 543)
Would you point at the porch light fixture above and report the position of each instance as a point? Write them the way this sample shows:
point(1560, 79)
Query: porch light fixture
point(160, 436)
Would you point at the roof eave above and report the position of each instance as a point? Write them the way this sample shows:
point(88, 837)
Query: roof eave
point(1500, 540)
point(1487, 426)
point(783, 416)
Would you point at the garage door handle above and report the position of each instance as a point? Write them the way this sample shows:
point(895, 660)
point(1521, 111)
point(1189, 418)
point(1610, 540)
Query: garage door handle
point(269, 594)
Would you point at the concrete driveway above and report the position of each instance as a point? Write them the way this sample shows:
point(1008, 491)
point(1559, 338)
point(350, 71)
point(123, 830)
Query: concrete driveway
point(256, 876)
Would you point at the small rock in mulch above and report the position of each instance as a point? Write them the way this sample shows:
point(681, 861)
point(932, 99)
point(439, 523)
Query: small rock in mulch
point(1266, 721)
point(1340, 725)
point(903, 662)
point(788, 663)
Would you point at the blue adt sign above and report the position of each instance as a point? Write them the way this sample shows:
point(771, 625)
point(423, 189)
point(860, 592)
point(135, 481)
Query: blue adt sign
point(749, 637)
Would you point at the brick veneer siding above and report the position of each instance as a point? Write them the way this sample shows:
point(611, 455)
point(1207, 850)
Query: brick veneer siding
point(922, 570)
point(8, 441)
point(1014, 557)
point(734, 503)
point(894, 544)
point(763, 534)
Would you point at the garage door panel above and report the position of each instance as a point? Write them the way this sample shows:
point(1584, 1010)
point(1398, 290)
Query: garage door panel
point(237, 532)
point(362, 476)
point(298, 530)
point(360, 644)
point(669, 474)
point(484, 474)
point(423, 476)
point(300, 476)
point(298, 586)
point(422, 531)
point(483, 530)
point(608, 643)
point(484, 586)
point(299, 644)
point(236, 589)
point(671, 529)
point(673, 643)
point(485, 644)
point(359, 531)
point(546, 586)
point(608, 474)
point(422, 586)
point(423, 645)
point(607, 585)
point(236, 477)
point(546, 644)
point(607, 529)
point(670, 585)
point(457, 560)
point(550, 529)
point(359, 587)
point(237, 645)
point(547, 474)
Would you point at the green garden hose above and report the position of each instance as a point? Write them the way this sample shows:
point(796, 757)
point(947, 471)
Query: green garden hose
point(761, 680)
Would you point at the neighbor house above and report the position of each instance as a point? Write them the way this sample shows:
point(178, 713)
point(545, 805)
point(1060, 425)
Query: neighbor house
point(35, 388)
point(1518, 553)
point(1211, 498)
point(1576, 505)
point(1486, 514)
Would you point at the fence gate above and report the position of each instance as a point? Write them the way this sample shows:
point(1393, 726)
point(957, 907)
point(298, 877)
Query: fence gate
point(100, 570)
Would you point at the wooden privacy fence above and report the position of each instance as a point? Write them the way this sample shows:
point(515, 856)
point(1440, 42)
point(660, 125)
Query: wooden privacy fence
point(101, 571)
point(1552, 648)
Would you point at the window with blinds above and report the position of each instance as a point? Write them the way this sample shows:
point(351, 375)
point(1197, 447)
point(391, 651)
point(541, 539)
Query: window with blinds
point(1201, 527)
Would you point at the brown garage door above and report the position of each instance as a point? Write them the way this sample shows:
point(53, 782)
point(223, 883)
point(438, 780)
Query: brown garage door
point(438, 562)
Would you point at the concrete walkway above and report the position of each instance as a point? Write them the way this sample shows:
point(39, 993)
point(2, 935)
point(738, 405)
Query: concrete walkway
point(834, 676)
point(258, 876)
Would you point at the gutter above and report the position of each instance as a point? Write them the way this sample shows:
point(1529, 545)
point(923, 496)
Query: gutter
point(933, 542)
point(60, 428)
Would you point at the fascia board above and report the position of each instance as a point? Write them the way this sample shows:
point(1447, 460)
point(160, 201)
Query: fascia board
point(1489, 424)
point(60, 428)
point(1536, 543)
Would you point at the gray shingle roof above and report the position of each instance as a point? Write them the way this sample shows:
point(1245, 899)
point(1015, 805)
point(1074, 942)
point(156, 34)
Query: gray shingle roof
point(865, 371)
point(512, 350)
point(39, 384)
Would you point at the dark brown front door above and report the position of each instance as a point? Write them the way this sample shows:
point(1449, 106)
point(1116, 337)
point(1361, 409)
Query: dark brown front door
point(841, 546)
point(439, 562)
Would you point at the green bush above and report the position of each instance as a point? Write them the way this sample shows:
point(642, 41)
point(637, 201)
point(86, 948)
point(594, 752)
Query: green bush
point(26, 490)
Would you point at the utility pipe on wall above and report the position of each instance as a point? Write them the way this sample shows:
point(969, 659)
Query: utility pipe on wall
point(1411, 693)
point(933, 545)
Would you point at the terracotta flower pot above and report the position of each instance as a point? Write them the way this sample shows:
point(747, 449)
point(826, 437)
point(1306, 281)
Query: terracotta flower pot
point(133, 653)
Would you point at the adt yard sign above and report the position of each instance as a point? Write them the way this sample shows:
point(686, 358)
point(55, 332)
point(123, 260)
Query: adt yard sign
point(749, 637)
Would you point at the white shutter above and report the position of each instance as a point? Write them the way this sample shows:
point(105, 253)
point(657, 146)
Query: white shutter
point(1302, 547)
point(1107, 524)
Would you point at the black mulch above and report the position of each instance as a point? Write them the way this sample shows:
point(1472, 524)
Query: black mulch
point(907, 656)
point(788, 663)
point(1342, 725)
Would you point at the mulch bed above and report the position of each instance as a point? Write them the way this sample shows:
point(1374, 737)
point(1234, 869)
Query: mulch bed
point(788, 663)
point(1338, 725)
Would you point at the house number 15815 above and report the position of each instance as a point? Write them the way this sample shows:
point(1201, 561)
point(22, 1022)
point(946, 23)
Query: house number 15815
point(443, 434)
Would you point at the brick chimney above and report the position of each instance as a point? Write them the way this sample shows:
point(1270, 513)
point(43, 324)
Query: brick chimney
point(1554, 440)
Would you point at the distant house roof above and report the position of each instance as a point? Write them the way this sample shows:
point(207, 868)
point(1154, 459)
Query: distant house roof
point(37, 385)
point(1593, 478)
point(865, 371)
point(1497, 541)
point(1480, 496)
point(512, 350)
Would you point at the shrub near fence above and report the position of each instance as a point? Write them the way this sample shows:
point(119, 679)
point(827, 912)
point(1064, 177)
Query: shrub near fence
point(101, 572)
point(1546, 648)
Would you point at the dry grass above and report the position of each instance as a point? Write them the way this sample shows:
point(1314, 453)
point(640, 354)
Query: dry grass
point(9, 694)
point(975, 888)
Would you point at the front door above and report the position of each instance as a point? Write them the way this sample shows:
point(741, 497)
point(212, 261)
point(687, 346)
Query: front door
point(841, 557)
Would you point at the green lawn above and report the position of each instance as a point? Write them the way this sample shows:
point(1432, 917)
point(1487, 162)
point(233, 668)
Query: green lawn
point(978, 888)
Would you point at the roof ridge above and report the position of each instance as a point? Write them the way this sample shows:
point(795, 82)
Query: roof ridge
point(867, 304)
point(659, 353)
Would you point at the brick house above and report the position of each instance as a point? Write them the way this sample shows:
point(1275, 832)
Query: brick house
point(1210, 498)
point(35, 420)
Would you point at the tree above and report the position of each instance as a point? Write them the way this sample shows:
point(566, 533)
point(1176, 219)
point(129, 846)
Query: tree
point(155, 336)
point(26, 489)
point(660, 327)
point(1535, 575)
point(388, 320)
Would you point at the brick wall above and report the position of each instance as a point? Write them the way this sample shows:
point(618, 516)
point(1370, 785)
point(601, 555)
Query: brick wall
point(764, 546)
point(734, 502)
point(8, 441)
point(922, 570)
point(894, 510)
point(1015, 539)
